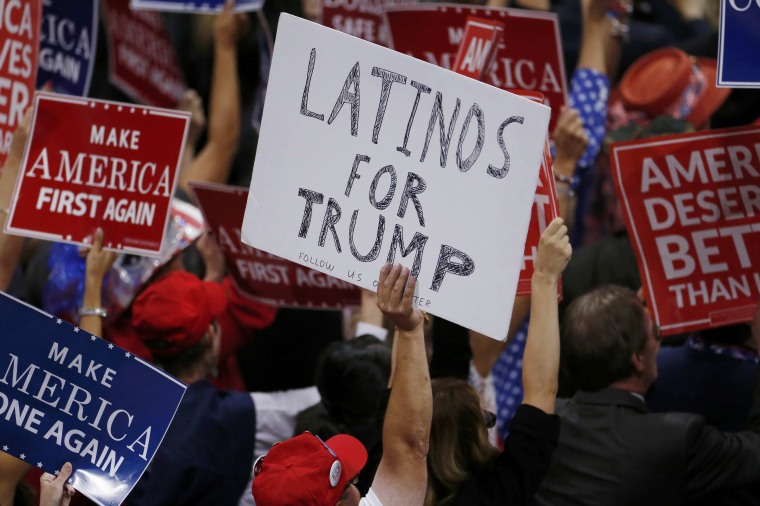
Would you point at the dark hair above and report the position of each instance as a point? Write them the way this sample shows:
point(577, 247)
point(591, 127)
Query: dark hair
point(352, 379)
point(601, 331)
point(459, 446)
point(185, 361)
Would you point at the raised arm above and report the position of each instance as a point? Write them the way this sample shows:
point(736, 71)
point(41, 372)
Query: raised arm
point(401, 477)
point(214, 161)
point(99, 262)
point(570, 142)
point(11, 245)
point(541, 357)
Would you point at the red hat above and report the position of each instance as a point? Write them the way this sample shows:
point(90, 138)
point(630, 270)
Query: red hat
point(305, 471)
point(172, 313)
point(668, 82)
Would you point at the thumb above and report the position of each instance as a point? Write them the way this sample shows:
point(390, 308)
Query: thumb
point(65, 472)
point(97, 243)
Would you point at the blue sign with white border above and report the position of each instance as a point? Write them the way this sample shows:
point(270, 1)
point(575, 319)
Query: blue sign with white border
point(66, 395)
point(195, 5)
point(68, 38)
point(739, 44)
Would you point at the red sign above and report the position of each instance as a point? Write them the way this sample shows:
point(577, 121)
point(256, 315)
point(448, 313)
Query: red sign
point(363, 19)
point(478, 48)
point(19, 45)
point(545, 208)
point(92, 163)
point(264, 276)
point(529, 59)
point(141, 59)
point(692, 207)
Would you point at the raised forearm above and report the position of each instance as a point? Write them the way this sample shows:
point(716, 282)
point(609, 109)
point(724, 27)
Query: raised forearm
point(541, 356)
point(406, 429)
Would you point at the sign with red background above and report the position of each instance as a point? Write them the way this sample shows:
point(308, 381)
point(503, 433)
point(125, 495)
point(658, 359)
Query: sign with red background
point(264, 276)
point(141, 59)
point(92, 163)
point(530, 57)
point(545, 208)
point(363, 19)
point(478, 48)
point(19, 47)
point(692, 206)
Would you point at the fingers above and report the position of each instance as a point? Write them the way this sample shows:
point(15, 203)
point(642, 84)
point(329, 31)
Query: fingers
point(97, 243)
point(394, 287)
point(554, 226)
point(399, 286)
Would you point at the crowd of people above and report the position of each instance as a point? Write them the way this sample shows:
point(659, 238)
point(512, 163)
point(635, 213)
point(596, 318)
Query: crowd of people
point(584, 402)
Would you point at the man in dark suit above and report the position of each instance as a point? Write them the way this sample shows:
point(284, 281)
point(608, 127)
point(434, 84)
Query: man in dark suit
point(612, 451)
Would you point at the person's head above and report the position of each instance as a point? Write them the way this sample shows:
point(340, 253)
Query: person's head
point(352, 378)
point(459, 445)
point(608, 336)
point(175, 317)
point(306, 471)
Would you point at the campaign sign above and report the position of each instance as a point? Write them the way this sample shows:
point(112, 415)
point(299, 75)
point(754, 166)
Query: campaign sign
point(261, 275)
point(738, 55)
point(479, 44)
point(93, 163)
point(67, 45)
point(362, 19)
point(529, 59)
point(204, 6)
point(66, 395)
point(691, 204)
point(434, 170)
point(19, 45)
point(141, 59)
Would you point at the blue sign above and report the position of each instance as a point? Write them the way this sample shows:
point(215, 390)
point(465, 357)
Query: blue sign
point(739, 45)
point(195, 5)
point(66, 395)
point(68, 37)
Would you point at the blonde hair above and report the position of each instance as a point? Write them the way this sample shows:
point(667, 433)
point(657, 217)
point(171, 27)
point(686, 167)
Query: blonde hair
point(459, 446)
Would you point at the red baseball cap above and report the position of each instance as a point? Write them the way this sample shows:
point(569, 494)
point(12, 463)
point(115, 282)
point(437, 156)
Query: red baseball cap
point(172, 313)
point(305, 471)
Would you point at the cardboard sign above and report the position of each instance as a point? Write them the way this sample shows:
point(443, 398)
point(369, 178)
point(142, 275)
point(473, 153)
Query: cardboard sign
point(204, 6)
point(141, 59)
point(92, 163)
point(530, 58)
point(367, 156)
point(361, 19)
point(19, 45)
point(66, 395)
point(263, 276)
point(738, 55)
point(478, 48)
point(67, 45)
point(691, 204)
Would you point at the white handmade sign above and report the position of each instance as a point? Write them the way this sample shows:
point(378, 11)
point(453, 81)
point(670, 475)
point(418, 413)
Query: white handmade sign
point(367, 155)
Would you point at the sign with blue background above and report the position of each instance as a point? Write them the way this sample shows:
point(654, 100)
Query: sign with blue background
point(66, 395)
point(195, 5)
point(68, 37)
point(739, 45)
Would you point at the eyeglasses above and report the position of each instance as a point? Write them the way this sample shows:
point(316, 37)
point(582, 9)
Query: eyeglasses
point(489, 418)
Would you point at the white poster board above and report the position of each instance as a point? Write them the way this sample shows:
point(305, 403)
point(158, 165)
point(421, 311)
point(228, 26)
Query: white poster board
point(365, 151)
